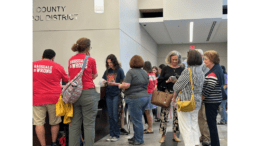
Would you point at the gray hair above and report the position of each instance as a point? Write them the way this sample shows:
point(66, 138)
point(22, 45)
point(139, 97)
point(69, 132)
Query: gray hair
point(200, 51)
point(173, 53)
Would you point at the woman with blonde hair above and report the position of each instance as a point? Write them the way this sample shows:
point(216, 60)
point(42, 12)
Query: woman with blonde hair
point(166, 81)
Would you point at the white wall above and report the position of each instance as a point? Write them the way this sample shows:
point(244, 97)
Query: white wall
point(101, 29)
point(150, 4)
point(221, 48)
point(134, 40)
point(86, 17)
point(191, 9)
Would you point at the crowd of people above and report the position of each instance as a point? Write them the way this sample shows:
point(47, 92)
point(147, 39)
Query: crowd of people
point(197, 126)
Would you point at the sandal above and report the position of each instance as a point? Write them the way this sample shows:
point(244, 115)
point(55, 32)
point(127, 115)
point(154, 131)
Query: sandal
point(148, 132)
point(162, 140)
point(176, 139)
point(157, 120)
point(221, 123)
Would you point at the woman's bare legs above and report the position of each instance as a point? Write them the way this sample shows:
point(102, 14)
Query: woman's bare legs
point(150, 120)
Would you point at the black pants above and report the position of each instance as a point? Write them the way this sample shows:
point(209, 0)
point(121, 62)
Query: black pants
point(211, 114)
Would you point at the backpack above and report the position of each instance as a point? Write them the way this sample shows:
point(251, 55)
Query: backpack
point(73, 89)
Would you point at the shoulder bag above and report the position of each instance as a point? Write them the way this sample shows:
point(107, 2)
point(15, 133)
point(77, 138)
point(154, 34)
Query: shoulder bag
point(72, 91)
point(187, 106)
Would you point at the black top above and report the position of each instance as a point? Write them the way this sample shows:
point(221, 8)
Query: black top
point(168, 71)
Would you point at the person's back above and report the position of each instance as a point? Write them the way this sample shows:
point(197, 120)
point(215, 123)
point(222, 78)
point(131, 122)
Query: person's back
point(46, 81)
point(139, 82)
point(86, 107)
point(137, 98)
point(47, 77)
point(75, 65)
point(188, 120)
point(197, 78)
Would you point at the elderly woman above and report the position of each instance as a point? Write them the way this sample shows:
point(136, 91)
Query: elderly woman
point(165, 82)
point(212, 92)
point(188, 121)
point(137, 97)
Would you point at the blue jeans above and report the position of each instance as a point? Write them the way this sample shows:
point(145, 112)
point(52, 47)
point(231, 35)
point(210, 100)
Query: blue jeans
point(136, 109)
point(223, 112)
point(112, 107)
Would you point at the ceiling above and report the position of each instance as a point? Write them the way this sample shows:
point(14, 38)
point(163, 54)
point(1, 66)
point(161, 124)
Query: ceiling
point(177, 31)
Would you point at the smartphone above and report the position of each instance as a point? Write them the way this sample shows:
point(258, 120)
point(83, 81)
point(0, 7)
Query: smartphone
point(173, 77)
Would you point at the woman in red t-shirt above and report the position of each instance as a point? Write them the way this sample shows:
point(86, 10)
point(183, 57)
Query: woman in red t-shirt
point(151, 86)
point(85, 108)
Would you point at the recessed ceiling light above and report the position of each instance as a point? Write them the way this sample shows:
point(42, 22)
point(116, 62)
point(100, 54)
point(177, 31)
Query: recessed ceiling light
point(191, 31)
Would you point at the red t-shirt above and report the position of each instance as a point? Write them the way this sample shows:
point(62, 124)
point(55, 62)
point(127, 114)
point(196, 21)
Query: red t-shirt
point(152, 82)
point(75, 65)
point(47, 76)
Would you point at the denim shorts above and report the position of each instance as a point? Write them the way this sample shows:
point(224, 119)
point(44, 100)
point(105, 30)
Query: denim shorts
point(150, 105)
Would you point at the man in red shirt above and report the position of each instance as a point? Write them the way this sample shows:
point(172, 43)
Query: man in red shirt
point(46, 91)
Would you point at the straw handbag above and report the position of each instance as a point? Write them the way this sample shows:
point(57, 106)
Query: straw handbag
point(187, 106)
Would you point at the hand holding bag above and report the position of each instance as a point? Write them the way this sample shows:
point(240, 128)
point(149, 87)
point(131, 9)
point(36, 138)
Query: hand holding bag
point(187, 106)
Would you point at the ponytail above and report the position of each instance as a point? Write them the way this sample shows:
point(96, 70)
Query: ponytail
point(74, 47)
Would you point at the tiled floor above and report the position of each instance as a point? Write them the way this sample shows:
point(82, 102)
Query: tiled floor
point(153, 139)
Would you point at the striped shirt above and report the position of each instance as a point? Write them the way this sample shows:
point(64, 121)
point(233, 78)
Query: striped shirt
point(211, 89)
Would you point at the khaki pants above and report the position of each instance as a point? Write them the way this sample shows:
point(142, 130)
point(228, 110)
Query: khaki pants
point(204, 130)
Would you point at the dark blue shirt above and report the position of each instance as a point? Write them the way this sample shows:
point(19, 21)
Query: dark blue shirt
point(117, 76)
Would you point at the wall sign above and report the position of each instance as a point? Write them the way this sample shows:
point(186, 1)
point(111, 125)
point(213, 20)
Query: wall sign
point(53, 13)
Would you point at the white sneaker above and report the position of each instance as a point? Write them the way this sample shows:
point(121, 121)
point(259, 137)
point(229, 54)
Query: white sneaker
point(114, 139)
point(109, 138)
